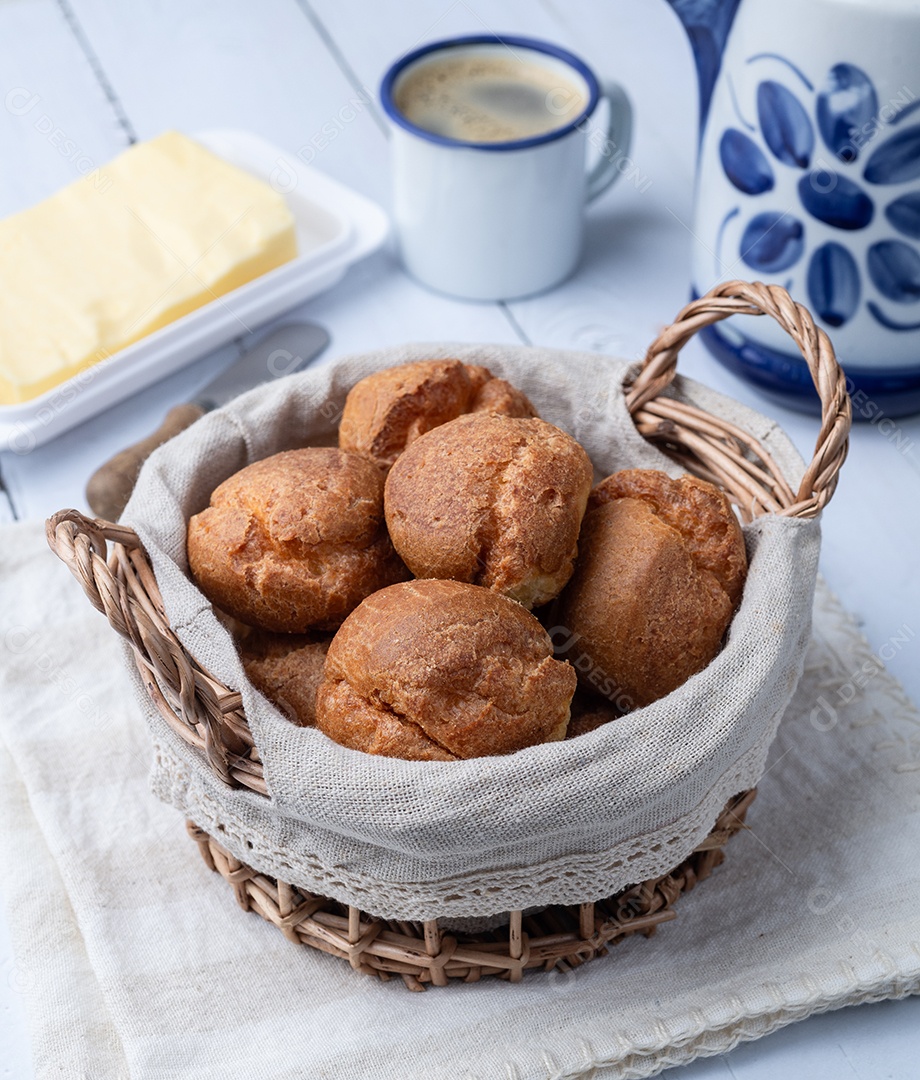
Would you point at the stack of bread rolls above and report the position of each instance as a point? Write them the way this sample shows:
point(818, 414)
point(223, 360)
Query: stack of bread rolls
point(386, 589)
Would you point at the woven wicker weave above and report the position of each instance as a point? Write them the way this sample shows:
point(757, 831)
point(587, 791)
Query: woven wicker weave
point(209, 716)
point(558, 937)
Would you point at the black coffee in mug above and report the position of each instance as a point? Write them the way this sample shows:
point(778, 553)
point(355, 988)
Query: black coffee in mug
point(488, 97)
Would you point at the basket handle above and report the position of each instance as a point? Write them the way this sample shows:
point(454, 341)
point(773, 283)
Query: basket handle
point(715, 449)
point(121, 585)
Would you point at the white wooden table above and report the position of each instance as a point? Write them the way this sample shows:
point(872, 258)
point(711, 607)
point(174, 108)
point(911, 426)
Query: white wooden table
point(300, 72)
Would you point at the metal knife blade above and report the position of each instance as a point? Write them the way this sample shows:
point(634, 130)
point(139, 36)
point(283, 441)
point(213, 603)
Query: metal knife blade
point(287, 349)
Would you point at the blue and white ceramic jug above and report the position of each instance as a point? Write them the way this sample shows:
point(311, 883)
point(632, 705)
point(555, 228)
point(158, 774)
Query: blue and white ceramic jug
point(809, 177)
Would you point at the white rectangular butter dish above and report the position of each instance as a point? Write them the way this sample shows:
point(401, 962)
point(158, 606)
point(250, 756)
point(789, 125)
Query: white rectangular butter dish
point(335, 228)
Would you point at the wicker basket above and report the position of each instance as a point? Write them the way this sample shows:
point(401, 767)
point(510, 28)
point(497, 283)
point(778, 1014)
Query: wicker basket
point(209, 717)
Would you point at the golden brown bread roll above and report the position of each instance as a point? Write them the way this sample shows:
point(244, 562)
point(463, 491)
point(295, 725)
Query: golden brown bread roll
point(661, 569)
point(491, 500)
point(390, 409)
point(287, 669)
point(439, 670)
point(295, 541)
point(697, 510)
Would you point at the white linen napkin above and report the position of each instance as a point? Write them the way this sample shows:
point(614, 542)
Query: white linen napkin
point(136, 962)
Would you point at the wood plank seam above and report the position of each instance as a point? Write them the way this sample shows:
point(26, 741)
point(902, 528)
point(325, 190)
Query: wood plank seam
point(338, 55)
point(341, 60)
point(7, 506)
point(73, 23)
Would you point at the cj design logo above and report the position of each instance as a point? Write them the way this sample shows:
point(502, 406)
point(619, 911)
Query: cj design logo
point(824, 715)
point(563, 640)
point(283, 178)
point(22, 440)
point(20, 101)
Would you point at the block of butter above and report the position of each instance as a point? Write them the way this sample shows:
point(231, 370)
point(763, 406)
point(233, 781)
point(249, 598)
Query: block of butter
point(94, 268)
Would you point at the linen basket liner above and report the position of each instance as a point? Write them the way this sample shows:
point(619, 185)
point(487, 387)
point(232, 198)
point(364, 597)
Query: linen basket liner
point(558, 823)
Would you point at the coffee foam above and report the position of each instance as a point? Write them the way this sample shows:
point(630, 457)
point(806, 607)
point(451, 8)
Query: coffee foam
point(477, 97)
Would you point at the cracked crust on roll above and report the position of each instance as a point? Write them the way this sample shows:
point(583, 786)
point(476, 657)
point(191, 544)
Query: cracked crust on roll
point(294, 542)
point(491, 500)
point(657, 582)
point(287, 669)
point(439, 670)
point(697, 510)
point(387, 411)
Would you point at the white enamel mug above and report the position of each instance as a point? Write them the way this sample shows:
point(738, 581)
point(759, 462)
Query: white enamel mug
point(499, 220)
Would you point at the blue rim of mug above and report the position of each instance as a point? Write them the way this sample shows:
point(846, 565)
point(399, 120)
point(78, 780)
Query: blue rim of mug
point(545, 47)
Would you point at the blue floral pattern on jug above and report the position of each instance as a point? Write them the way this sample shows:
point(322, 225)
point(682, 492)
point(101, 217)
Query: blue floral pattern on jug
point(775, 240)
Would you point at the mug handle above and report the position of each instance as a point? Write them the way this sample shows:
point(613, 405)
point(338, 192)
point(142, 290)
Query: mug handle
point(616, 143)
